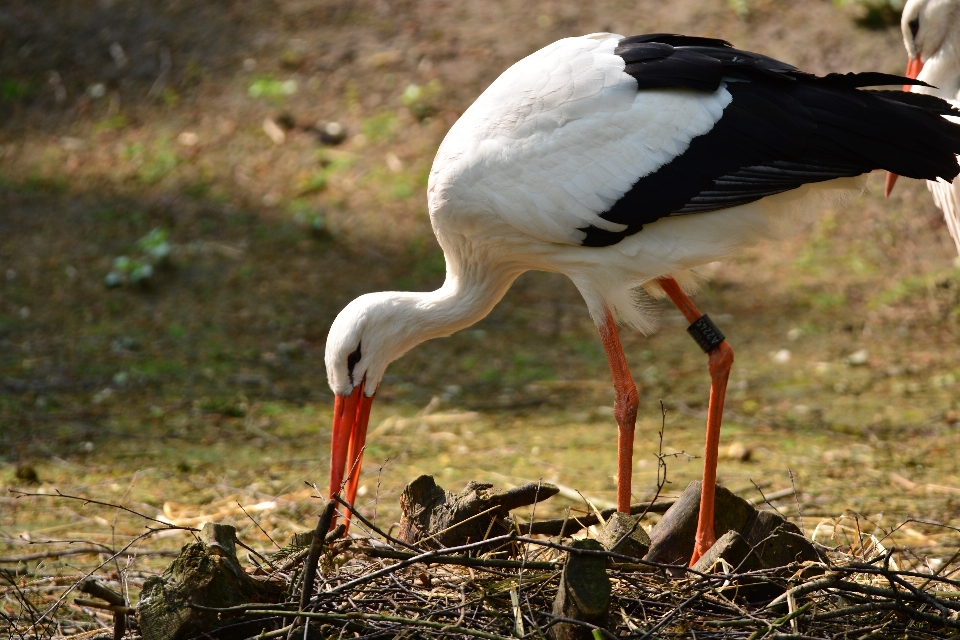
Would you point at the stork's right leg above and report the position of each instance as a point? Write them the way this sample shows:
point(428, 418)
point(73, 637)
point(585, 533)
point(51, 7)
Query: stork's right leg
point(624, 409)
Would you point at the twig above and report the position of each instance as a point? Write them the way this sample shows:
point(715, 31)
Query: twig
point(876, 605)
point(82, 551)
point(461, 522)
point(464, 561)
point(373, 527)
point(673, 612)
point(797, 499)
point(661, 462)
point(256, 553)
point(97, 590)
point(115, 608)
point(759, 633)
point(53, 607)
point(936, 574)
point(258, 527)
point(316, 547)
point(556, 527)
point(22, 494)
point(767, 502)
point(332, 535)
point(446, 628)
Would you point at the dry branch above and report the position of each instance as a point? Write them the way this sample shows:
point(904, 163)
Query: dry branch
point(578, 523)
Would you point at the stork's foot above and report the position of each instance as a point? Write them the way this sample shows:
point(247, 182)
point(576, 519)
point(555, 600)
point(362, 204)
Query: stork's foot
point(702, 544)
point(776, 541)
point(673, 539)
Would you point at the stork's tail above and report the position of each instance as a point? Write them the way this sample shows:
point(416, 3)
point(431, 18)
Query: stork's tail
point(913, 137)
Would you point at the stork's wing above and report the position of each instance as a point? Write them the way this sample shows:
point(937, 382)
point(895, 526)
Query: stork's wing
point(590, 138)
point(781, 129)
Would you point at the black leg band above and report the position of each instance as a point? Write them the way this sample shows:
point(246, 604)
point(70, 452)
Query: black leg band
point(705, 333)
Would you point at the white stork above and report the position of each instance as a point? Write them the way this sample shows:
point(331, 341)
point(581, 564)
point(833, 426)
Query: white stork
point(623, 163)
point(931, 34)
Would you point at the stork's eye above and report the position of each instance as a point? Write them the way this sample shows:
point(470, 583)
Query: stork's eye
point(914, 26)
point(352, 361)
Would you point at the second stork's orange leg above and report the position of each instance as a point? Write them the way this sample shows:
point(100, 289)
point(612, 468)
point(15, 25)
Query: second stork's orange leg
point(624, 409)
point(720, 354)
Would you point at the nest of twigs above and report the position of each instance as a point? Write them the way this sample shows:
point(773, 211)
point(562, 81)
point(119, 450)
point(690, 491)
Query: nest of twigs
point(372, 586)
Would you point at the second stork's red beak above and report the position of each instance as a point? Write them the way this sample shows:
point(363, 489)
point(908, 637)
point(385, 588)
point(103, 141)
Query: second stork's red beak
point(914, 66)
point(351, 414)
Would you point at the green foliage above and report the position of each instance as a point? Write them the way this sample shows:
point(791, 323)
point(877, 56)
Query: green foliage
point(128, 270)
point(739, 7)
point(154, 245)
point(41, 184)
point(380, 127)
point(272, 89)
point(163, 161)
point(316, 181)
point(401, 188)
point(154, 251)
point(12, 90)
point(875, 14)
point(422, 101)
point(235, 407)
point(828, 300)
point(131, 151)
point(113, 123)
point(196, 190)
point(305, 214)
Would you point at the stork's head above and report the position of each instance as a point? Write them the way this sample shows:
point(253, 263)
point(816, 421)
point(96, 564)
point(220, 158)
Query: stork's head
point(925, 25)
point(369, 334)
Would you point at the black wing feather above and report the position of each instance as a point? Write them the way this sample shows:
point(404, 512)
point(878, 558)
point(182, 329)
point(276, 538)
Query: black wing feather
point(782, 129)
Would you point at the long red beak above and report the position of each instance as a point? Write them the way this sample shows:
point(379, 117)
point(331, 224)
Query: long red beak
point(351, 414)
point(914, 67)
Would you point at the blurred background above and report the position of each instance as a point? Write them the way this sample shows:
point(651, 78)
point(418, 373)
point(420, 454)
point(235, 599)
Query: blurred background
point(190, 192)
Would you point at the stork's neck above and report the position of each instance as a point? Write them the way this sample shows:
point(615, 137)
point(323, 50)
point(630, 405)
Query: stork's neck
point(467, 296)
point(942, 69)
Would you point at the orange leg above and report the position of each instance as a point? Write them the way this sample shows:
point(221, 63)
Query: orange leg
point(721, 359)
point(624, 410)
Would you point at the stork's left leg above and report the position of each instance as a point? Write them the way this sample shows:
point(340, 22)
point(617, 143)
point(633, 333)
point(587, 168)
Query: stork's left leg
point(721, 359)
point(624, 409)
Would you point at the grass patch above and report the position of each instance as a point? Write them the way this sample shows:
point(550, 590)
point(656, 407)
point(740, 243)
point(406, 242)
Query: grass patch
point(161, 163)
point(270, 88)
point(381, 128)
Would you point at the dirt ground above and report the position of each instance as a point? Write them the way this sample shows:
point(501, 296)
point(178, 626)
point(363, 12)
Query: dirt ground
point(203, 386)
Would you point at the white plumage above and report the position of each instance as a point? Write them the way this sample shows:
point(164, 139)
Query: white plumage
point(551, 157)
